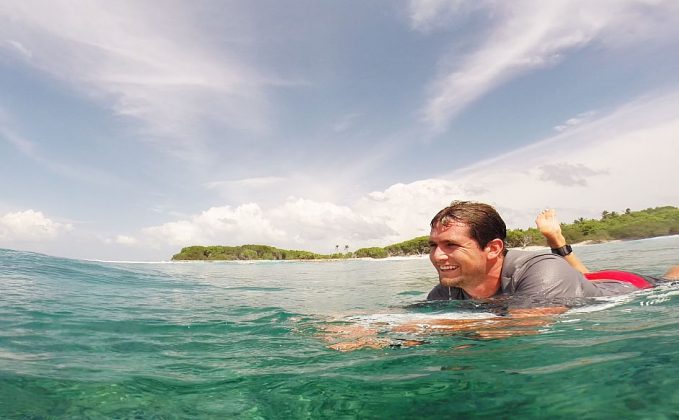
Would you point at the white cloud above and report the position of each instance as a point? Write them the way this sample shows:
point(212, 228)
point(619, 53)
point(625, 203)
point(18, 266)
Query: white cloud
point(154, 64)
point(623, 159)
point(568, 174)
point(295, 223)
point(217, 226)
point(429, 15)
point(575, 121)
point(312, 221)
point(531, 34)
point(626, 158)
point(30, 226)
point(408, 208)
point(20, 48)
point(125, 240)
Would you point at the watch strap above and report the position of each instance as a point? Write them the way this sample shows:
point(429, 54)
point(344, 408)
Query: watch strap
point(563, 251)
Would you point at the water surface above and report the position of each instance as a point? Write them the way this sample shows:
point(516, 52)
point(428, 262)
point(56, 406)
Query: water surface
point(218, 340)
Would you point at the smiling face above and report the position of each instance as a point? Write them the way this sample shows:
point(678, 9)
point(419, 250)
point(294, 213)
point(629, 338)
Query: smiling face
point(458, 258)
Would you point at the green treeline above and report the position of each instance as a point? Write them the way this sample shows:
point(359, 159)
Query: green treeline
point(649, 223)
point(246, 252)
point(652, 222)
point(416, 246)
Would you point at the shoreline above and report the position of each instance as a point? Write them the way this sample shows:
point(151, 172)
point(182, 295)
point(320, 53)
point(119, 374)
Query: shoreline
point(407, 257)
point(319, 260)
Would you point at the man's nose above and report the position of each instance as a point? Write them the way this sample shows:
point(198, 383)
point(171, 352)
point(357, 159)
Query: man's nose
point(438, 254)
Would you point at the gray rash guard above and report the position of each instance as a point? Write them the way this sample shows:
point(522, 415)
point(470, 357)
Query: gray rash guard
point(542, 276)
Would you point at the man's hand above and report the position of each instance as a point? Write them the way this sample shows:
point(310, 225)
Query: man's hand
point(550, 228)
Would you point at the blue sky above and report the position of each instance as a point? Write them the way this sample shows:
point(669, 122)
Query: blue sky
point(129, 129)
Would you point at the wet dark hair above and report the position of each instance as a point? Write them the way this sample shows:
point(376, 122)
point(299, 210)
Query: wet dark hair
point(485, 224)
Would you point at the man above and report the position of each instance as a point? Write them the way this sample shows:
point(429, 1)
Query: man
point(467, 248)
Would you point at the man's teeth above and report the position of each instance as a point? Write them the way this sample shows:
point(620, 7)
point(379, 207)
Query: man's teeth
point(447, 267)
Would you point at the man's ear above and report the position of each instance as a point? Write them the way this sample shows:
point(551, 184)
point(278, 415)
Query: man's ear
point(495, 248)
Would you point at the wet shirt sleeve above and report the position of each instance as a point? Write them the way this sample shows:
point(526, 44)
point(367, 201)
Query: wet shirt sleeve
point(550, 277)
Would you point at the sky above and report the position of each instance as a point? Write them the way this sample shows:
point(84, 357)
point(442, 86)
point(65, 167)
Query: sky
point(131, 129)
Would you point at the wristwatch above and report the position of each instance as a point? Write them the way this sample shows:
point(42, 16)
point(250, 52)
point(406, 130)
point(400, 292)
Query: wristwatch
point(563, 251)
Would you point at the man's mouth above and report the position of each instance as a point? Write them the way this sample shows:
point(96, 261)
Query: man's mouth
point(448, 267)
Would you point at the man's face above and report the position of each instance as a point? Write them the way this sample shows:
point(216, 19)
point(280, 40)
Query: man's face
point(457, 257)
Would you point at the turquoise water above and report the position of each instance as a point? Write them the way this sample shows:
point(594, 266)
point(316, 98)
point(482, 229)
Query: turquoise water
point(222, 340)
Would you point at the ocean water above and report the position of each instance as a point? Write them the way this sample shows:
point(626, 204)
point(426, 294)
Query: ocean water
point(82, 339)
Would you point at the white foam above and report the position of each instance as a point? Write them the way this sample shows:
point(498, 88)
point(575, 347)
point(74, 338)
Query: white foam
point(606, 303)
point(402, 318)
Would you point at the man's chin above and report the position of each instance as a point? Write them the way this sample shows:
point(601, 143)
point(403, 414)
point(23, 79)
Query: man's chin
point(449, 282)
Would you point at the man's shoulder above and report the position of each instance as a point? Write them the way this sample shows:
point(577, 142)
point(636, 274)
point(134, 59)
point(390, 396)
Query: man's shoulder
point(518, 259)
point(538, 272)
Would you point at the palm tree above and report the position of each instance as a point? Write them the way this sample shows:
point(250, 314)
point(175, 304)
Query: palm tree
point(336, 249)
point(346, 248)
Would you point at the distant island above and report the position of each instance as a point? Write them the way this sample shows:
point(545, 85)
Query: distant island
point(652, 222)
